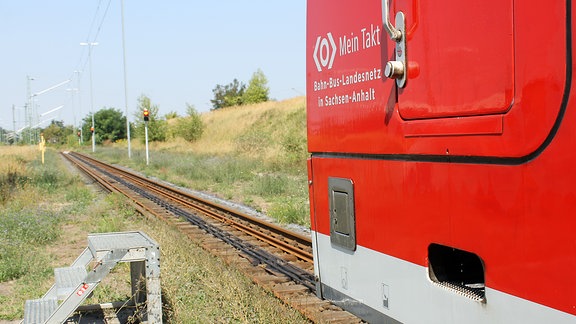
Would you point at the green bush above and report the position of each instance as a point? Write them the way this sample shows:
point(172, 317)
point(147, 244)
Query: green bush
point(190, 128)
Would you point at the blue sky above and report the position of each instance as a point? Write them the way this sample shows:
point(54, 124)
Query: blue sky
point(176, 52)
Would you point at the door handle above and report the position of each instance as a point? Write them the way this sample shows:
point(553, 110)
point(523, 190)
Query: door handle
point(397, 68)
point(394, 33)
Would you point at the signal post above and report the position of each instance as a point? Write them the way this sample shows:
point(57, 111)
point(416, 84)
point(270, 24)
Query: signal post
point(146, 114)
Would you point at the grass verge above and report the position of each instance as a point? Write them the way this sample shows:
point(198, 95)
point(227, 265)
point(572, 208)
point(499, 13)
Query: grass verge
point(254, 155)
point(60, 210)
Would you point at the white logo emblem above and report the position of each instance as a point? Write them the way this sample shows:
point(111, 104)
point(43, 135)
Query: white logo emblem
point(324, 53)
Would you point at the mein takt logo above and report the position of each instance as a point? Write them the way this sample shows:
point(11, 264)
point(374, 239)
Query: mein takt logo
point(324, 52)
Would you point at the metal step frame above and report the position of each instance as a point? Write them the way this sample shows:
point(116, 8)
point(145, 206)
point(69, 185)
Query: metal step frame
point(74, 284)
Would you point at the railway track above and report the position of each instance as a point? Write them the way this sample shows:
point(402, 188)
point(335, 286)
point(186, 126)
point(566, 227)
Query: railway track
point(278, 259)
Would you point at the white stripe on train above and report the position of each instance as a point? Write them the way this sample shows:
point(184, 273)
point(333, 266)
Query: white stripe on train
point(375, 279)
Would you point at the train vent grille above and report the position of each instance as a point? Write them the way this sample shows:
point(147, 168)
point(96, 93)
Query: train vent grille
point(457, 270)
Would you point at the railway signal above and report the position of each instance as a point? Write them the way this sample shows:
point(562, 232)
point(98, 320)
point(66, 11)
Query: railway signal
point(146, 114)
point(93, 135)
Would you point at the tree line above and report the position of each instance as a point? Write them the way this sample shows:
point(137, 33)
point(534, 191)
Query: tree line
point(110, 126)
point(110, 123)
point(236, 93)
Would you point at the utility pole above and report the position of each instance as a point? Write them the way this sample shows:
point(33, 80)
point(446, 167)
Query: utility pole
point(125, 82)
point(91, 93)
point(79, 107)
point(28, 108)
point(14, 121)
point(72, 90)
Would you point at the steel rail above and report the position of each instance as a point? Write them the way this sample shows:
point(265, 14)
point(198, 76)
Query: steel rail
point(100, 180)
point(302, 248)
point(255, 232)
point(148, 189)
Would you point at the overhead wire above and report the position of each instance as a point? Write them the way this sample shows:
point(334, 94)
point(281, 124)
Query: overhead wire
point(102, 21)
point(93, 21)
point(83, 60)
point(80, 65)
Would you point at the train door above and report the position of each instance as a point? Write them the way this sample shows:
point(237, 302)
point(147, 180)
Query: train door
point(459, 58)
point(477, 68)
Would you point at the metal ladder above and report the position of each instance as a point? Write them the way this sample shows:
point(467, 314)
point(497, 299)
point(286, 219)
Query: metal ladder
point(74, 284)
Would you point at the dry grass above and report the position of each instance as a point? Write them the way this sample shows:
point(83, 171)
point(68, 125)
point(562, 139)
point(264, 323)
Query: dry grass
point(225, 126)
point(14, 158)
point(197, 287)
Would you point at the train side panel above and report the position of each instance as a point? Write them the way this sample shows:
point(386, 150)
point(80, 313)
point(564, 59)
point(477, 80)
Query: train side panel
point(449, 198)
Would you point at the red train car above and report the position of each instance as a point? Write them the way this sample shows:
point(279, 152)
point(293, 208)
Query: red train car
point(443, 151)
